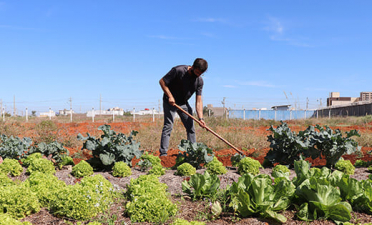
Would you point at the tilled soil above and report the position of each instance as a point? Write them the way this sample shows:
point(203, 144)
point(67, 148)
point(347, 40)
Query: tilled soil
point(188, 209)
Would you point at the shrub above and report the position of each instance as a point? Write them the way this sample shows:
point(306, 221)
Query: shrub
point(121, 169)
point(111, 148)
point(11, 166)
point(84, 200)
point(82, 169)
point(27, 161)
point(249, 165)
point(148, 200)
point(185, 170)
point(18, 201)
point(216, 167)
point(345, 166)
point(45, 186)
point(41, 165)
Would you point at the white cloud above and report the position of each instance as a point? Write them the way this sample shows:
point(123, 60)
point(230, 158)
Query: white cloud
point(210, 20)
point(164, 37)
point(229, 86)
point(258, 83)
point(275, 26)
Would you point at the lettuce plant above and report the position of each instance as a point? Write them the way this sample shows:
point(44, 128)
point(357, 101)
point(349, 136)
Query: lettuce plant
point(45, 186)
point(27, 161)
point(185, 169)
point(256, 195)
point(82, 169)
point(6, 219)
point(151, 163)
point(201, 185)
point(345, 166)
point(5, 180)
point(121, 169)
point(249, 165)
point(194, 153)
point(148, 200)
point(11, 166)
point(41, 165)
point(84, 200)
point(111, 148)
point(180, 221)
point(18, 201)
point(216, 167)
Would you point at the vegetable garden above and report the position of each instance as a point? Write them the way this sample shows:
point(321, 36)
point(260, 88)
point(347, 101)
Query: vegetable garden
point(98, 173)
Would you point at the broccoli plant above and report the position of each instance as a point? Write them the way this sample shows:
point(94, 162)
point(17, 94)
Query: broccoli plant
point(13, 147)
point(194, 153)
point(54, 151)
point(111, 147)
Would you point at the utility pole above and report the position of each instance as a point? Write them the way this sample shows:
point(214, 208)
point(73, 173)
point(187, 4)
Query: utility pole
point(100, 104)
point(70, 100)
point(14, 107)
point(223, 103)
point(1, 106)
point(307, 103)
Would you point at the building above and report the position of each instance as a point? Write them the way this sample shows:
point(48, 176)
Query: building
point(281, 107)
point(335, 99)
point(365, 96)
point(50, 113)
point(65, 112)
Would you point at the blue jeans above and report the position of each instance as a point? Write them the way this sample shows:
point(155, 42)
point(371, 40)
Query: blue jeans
point(169, 114)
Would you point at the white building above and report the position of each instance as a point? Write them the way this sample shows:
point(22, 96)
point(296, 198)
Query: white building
point(50, 113)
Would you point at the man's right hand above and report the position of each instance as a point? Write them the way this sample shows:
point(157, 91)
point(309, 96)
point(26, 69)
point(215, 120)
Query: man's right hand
point(171, 101)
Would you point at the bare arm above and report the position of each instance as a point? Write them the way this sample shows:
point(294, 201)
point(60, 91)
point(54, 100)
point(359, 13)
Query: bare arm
point(167, 92)
point(199, 110)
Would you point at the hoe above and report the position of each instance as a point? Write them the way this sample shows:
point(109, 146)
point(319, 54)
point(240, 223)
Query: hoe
point(208, 129)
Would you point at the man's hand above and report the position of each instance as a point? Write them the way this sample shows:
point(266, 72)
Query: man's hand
point(171, 101)
point(202, 123)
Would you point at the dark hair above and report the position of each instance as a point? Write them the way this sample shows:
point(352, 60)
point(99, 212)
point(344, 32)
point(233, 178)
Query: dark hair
point(200, 64)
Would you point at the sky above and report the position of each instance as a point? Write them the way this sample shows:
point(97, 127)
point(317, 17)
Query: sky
point(102, 54)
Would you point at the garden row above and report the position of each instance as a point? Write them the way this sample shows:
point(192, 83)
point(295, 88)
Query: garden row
point(316, 193)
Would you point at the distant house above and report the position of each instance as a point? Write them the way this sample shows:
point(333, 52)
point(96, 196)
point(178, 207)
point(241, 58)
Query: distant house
point(66, 112)
point(281, 107)
point(146, 111)
point(335, 99)
point(47, 114)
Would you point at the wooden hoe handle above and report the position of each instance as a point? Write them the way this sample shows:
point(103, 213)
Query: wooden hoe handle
point(208, 129)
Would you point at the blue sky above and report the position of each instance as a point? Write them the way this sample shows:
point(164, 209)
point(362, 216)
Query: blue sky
point(258, 51)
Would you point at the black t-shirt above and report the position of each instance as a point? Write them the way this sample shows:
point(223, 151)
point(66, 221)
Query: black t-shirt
point(182, 85)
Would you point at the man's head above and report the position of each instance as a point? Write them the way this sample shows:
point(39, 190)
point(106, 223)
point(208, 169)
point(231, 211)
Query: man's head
point(199, 67)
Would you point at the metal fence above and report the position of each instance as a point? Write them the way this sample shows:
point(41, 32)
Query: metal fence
point(271, 114)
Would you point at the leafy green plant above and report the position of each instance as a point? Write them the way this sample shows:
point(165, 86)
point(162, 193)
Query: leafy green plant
point(256, 195)
point(13, 147)
point(201, 185)
point(11, 166)
point(66, 160)
point(180, 221)
point(185, 169)
point(361, 163)
point(235, 159)
point(111, 147)
point(194, 153)
point(121, 169)
point(45, 186)
point(31, 157)
point(249, 165)
point(280, 171)
point(18, 201)
point(84, 200)
point(54, 151)
point(148, 200)
point(5, 180)
point(151, 163)
point(6, 219)
point(285, 146)
point(41, 165)
point(82, 169)
point(331, 144)
point(216, 167)
point(345, 166)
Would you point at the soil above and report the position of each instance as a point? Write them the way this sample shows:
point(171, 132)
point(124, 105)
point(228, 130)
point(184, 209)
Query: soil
point(189, 210)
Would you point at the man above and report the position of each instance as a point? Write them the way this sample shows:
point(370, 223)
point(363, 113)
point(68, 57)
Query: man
point(179, 84)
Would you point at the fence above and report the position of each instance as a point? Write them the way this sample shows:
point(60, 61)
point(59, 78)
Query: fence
point(271, 114)
point(355, 109)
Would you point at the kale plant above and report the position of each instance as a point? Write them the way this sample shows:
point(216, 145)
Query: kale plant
point(194, 153)
point(13, 147)
point(111, 147)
